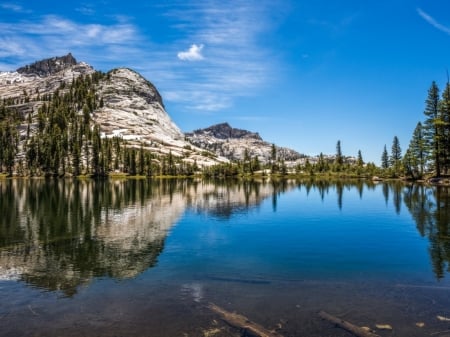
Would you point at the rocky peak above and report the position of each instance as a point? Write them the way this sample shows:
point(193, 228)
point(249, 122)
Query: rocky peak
point(133, 109)
point(48, 66)
point(235, 144)
point(225, 131)
point(139, 85)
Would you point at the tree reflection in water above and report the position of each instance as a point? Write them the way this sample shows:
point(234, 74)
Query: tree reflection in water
point(430, 209)
point(58, 234)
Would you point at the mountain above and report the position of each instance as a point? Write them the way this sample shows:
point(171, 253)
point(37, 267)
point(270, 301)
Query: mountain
point(232, 143)
point(61, 117)
point(49, 66)
point(59, 104)
point(26, 86)
point(134, 109)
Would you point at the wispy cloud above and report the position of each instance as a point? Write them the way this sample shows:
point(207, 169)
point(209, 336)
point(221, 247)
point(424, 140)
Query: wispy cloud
point(86, 10)
point(14, 7)
point(28, 41)
point(238, 62)
point(194, 53)
point(428, 18)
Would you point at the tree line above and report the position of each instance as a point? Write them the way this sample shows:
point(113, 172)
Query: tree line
point(429, 149)
point(62, 139)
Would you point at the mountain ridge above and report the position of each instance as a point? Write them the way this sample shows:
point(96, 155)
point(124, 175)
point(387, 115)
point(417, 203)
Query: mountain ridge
point(118, 104)
point(49, 66)
point(237, 144)
point(224, 131)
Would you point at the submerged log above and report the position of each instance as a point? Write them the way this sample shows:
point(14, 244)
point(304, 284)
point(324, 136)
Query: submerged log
point(354, 329)
point(242, 322)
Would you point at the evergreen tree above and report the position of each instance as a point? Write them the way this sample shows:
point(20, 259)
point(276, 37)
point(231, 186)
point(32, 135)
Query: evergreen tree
point(76, 159)
point(433, 126)
point(141, 161)
point(417, 152)
point(359, 160)
point(255, 165)
point(132, 161)
point(96, 152)
point(384, 159)
point(396, 155)
point(444, 114)
point(339, 159)
point(321, 163)
point(273, 158)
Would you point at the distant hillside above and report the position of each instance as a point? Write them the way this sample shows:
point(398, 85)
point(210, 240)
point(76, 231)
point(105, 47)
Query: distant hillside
point(232, 143)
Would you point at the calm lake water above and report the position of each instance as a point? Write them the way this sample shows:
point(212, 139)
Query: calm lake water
point(146, 258)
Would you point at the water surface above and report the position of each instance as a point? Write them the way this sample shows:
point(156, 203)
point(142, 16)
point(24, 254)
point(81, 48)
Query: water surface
point(144, 258)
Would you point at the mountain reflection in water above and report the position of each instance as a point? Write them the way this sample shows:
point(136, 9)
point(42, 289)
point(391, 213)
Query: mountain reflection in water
point(58, 234)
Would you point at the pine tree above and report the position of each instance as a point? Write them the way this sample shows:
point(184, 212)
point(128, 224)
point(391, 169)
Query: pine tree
point(96, 150)
point(76, 159)
point(339, 159)
point(273, 158)
point(417, 151)
point(396, 155)
point(433, 126)
point(385, 159)
point(360, 161)
point(141, 161)
point(132, 161)
point(444, 113)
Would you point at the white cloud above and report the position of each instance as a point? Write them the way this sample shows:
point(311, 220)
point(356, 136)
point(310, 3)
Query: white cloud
point(27, 41)
point(10, 47)
point(194, 53)
point(238, 63)
point(433, 22)
point(238, 60)
point(14, 7)
point(86, 10)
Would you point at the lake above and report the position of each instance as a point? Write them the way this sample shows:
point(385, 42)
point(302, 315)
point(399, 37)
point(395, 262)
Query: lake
point(150, 257)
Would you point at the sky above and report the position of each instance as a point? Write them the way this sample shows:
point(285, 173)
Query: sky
point(302, 73)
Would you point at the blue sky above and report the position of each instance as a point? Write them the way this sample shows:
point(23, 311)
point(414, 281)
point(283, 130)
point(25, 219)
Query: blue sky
point(304, 74)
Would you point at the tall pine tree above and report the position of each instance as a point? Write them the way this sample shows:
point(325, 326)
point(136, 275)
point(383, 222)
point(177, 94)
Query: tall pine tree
point(444, 114)
point(433, 127)
point(339, 159)
point(417, 151)
point(396, 156)
point(384, 159)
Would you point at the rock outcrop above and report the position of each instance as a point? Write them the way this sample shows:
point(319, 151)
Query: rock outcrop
point(132, 107)
point(234, 144)
point(49, 66)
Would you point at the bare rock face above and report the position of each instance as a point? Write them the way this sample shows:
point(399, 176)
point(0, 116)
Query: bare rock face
point(49, 66)
point(40, 78)
point(134, 109)
point(233, 143)
point(225, 131)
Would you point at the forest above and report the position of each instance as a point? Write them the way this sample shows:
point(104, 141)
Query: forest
point(61, 139)
point(66, 141)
